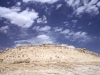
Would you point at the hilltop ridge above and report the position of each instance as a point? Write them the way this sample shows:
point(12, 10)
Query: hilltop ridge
point(47, 57)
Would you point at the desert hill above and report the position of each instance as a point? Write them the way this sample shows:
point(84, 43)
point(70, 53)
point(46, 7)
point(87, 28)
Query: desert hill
point(49, 59)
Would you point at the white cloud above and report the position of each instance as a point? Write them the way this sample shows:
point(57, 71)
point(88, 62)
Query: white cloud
point(40, 39)
point(66, 23)
point(82, 36)
point(73, 3)
point(80, 10)
point(13, 9)
point(56, 29)
point(71, 33)
point(75, 36)
point(65, 31)
point(70, 2)
point(44, 39)
point(23, 19)
point(45, 28)
point(43, 36)
point(85, 2)
point(67, 37)
point(36, 28)
point(42, 20)
point(85, 6)
point(92, 9)
point(52, 37)
point(76, 3)
point(4, 29)
point(42, 1)
point(74, 21)
point(79, 35)
point(92, 2)
point(98, 4)
point(18, 3)
point(58, 6)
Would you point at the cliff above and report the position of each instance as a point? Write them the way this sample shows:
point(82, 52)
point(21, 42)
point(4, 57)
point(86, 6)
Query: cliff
point(49, 59)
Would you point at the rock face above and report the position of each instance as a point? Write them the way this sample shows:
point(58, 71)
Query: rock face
point(48, 59)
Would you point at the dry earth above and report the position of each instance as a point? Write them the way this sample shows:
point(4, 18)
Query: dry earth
point(48, 59)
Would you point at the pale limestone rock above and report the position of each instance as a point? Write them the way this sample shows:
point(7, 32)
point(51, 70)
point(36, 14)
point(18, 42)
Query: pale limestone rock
point(49, 59)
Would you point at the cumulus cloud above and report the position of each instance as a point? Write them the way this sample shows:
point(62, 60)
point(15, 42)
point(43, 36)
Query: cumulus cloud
point(92, 9)
point(73, 3)
point(4, 29)
point(42, 1)
point(80, 10)
point(98, 4)
point(23, 19)
point(85, 6)
point(79, 34)
point(56, 29)
point(75, 36)
point(44, 29)
point(70, 2)
point(76, 3)
point(42, 20)
point(40, 39)
point(52, 37)
point(65, 31)
point(43, 37)
point(85, 2)
point(12, 9)
point(92, 2)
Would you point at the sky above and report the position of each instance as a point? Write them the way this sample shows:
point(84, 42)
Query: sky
point(70, 22)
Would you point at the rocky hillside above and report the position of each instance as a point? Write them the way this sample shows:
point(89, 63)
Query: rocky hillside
point(48, 59)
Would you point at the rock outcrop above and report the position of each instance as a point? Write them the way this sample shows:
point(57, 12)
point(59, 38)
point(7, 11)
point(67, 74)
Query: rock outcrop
point(49, 59)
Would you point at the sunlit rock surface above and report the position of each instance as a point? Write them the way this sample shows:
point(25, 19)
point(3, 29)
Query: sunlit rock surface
point(49, 59)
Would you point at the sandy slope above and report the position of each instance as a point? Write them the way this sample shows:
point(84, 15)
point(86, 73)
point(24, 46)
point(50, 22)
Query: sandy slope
point(49, 59)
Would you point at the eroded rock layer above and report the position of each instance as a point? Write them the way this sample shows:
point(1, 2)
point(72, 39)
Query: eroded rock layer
point(49, 59)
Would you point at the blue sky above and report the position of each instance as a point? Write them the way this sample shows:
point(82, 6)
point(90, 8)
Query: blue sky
point(70, 22)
